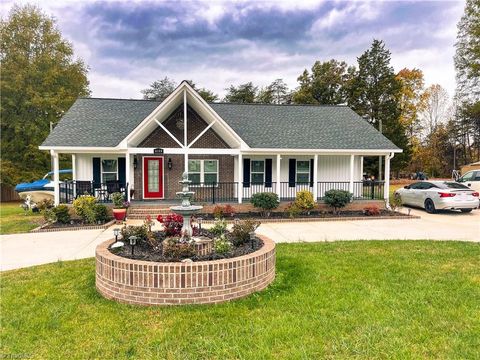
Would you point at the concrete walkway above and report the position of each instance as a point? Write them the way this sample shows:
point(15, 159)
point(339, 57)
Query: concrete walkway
point(23, 250)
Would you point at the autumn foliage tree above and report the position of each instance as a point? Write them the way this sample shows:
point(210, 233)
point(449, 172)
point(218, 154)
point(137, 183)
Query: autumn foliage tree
point(40, 80)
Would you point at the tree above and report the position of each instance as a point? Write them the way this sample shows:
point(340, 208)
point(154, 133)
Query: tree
point(244, 93)
point(40, 80)
point(436, 108)
point(467, 66)
point(275, 93)
point(374, 92)
point(412, 100)
point(325, 85)
point(207, 95)
point(467, 55)
point(159, 89)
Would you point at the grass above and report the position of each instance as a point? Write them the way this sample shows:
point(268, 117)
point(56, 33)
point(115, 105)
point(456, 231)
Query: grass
point(13, 219)
point(396, 299)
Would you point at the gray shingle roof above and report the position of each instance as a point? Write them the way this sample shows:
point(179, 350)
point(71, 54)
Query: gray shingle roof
point(99, 122)
point(301, 127)
point(106, 122)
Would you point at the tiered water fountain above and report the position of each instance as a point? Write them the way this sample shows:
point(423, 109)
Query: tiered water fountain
point(203, 245)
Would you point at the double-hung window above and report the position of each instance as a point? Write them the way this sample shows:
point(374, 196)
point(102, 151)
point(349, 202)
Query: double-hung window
point(303, 171)
point(203, 171)
point(257, 171)
point(109, 170)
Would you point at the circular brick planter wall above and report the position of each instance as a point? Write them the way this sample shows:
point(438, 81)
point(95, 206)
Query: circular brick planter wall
point(204, 282)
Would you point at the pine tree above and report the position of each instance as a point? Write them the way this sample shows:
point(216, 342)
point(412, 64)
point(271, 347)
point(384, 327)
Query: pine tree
point(374, 92)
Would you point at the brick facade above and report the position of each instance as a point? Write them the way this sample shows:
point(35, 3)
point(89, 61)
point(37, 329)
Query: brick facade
point(153, 283)
point(159, 138)
point(172, 177)
point(195, 125)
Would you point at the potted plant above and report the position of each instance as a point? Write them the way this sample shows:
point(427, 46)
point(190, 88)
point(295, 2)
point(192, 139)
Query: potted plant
point(120, 206)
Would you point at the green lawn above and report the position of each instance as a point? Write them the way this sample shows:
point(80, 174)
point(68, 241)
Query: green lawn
point(13, 219)
point(397, 299)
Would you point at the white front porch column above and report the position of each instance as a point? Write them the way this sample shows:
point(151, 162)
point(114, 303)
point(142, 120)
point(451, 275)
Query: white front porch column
point(315, 177)
point(127, 175)
point(240, 178)
point(386, 187)
point(278, 184)
point(74, 174)
point(361, 167)
point(56, 178)
point(185, 168)
point(352, 171)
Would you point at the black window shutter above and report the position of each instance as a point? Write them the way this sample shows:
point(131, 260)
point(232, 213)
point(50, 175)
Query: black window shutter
point(292, 164)
point(311, 172)
point(268, 173)
point(97, 178)
point(246, 172)
point(122, 171)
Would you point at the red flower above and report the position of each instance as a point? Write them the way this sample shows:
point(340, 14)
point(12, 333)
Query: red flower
point(160, 218)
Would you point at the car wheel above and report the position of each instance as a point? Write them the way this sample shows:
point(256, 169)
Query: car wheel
point(430, 206)
point(466, 210)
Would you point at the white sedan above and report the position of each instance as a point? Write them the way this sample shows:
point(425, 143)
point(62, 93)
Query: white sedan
point(439, 195)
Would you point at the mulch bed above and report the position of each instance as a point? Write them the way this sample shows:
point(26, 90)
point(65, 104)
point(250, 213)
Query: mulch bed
point(313, 215)
point(76, 225)
point(146, 253)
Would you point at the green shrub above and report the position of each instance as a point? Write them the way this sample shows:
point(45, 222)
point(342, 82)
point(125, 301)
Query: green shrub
point(117, 199)
point(219, 227)
point(176, 250)
point(395, 202)
point(62, 214)
point(101, 213)
point(141, 232)
point(265, 201)
point(304, 201)
point(49, 215)
point(293, 210)
point(45, 204)
point(241, 231)
point(337, 199)
point(85, 208)
point(221, 245)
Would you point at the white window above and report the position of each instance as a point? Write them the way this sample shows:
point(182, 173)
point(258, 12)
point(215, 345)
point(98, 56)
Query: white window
point(257, 171)
point(203, 171)
point(303, 171)
point(109, 170)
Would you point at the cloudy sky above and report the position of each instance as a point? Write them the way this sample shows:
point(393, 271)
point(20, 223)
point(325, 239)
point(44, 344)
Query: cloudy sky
point(127, 45)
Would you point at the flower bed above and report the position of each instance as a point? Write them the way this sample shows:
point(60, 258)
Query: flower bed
point(203, 282)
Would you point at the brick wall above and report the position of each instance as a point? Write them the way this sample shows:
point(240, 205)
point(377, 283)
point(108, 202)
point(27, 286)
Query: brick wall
point(152, 283)
point(195, 125)
point(172, 177)
point(159, 138)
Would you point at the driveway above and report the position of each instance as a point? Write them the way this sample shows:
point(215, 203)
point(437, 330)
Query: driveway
point(440, 226)
point(23, 250)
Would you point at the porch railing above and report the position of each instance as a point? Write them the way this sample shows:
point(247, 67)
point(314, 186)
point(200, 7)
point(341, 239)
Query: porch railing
point(70, 190)
point(227, 191)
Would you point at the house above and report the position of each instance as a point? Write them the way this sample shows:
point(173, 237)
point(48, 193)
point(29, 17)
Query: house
point(230, 151)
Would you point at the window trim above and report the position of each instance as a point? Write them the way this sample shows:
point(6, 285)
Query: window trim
point(302, 172)
point(257, 172)
point(202, 172)
point(108, 172)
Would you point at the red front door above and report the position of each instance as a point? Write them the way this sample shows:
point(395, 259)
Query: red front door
point(153, 177)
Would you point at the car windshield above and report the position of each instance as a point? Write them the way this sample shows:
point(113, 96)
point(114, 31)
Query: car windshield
point(451, 185)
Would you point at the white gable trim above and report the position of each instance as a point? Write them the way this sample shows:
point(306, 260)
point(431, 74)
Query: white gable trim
point(182, 90)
